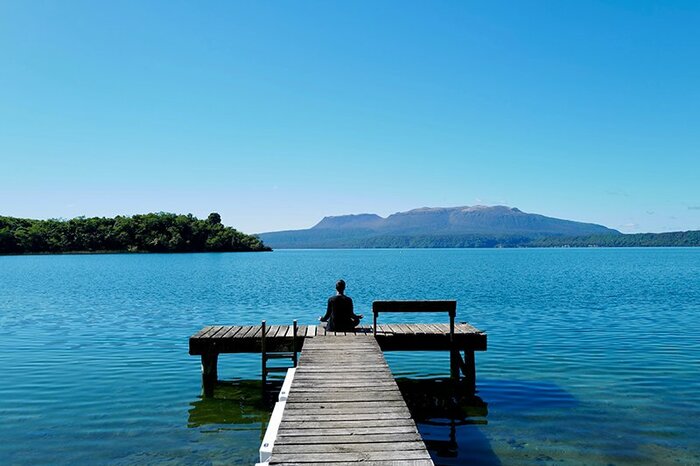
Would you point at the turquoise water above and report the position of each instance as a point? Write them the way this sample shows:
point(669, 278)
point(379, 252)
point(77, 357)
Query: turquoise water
point(594, 354)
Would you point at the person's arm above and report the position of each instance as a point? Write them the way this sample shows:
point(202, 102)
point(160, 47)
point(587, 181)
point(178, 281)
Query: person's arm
point(352, 310)
point(328, 312)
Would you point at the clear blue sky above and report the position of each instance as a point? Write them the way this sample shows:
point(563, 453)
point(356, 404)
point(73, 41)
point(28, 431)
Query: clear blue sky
point(276, 114)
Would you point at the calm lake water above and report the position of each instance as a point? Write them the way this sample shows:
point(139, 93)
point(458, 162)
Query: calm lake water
point(594, 354)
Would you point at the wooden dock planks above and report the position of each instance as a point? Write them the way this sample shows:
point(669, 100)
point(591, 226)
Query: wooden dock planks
point(391, 337)
point(345, 407)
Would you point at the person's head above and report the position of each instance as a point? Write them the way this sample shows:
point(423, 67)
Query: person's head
point(340, 286)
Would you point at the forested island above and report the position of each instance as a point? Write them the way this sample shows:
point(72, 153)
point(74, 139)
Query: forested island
point(154, 232)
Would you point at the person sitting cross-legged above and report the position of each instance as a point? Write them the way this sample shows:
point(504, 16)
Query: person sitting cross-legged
point(339, 313)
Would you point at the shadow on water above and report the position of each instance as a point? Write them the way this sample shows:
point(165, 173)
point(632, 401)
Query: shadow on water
point(447, 416)
point(452, 421)
point(525, 395)
point(235, 402)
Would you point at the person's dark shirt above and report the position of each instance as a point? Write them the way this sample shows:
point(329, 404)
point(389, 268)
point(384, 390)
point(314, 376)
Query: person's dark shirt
point(339, 313)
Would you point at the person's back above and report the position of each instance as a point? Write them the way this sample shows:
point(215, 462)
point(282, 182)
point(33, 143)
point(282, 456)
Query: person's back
point(342, 315)
point(339, 313)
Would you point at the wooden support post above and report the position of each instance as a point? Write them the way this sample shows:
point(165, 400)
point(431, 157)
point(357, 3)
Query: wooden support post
point(454, 352)
point(294, 344)
point(263, 354)
point(374, 327)
point(469, 370)
point(209, 372)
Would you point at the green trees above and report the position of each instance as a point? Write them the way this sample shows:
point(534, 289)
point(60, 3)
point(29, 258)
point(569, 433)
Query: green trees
point(643, 240)
point(154, 232)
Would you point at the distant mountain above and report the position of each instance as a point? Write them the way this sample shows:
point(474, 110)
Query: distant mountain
point(475, 226)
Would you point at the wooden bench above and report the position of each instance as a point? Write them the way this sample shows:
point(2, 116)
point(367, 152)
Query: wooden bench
point(467, 365)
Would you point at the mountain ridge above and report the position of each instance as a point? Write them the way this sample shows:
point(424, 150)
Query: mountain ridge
point(453, 225)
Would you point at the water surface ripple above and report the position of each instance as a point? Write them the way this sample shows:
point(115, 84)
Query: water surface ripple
point(594, 354)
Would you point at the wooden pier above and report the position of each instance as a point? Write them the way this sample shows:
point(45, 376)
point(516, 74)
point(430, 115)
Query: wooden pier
point(218, 339)
point(343, 405)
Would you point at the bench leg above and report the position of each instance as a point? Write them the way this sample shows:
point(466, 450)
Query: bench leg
point(209, 373)
point(469, 370)
point(455, 359)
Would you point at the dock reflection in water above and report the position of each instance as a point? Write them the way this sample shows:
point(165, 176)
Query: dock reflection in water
point(448, 415)
point(450, 420)
point(238, 402)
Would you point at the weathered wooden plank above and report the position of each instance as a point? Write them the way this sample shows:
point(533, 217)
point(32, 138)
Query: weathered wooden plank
point(321, 410)
point(272, 331)
point(334, 377)
point(348, 364)
point(349, 351)
point(202, 332)
point(281, 449)
point(306, 439)
point(350, 431)
point(341, 340)
point(329, 368)
point(346, 416)
point(245, 331)
point(304, 384)
point(368, 463)
point(330, 360)
point(349, 456)
point(342, 397)
point(332, 363)
point(212, 330)
point(231, 331)
point(407, 329)
point(311, 388)
point(256, 333)
point(336, 380)
point(296, 416)
point(466, 328)
point(220, 331)
point(339, 424)
point(391, 329)
point(427, 329)
point(417, 328)
point(305, 410)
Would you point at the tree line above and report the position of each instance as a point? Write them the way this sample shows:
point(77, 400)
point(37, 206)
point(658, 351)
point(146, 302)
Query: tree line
point(154, 232)
point(641, 240)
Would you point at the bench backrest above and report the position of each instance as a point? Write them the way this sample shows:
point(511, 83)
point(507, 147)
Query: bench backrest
point(416, 306)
